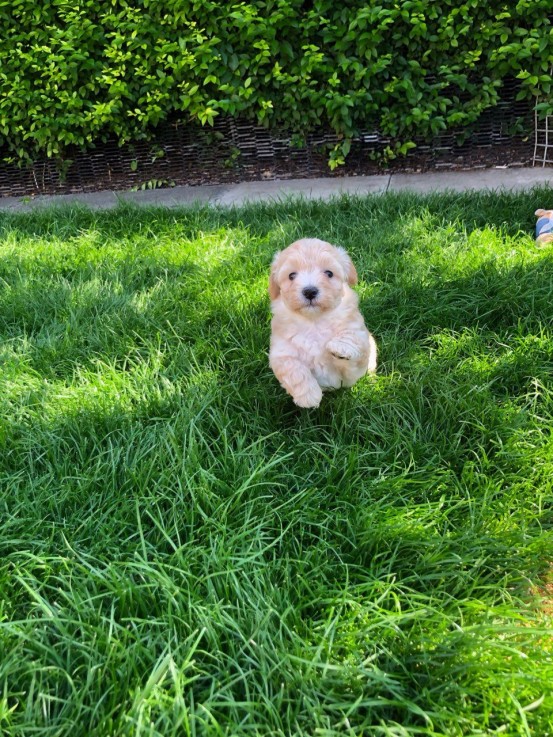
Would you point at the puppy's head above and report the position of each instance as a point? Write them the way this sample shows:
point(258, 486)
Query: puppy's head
point(310, 275)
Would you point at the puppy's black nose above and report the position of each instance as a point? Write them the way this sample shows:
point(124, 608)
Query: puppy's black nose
point(310, 292)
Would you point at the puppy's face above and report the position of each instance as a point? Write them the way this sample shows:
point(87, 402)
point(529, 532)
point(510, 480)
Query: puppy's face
point(310, 275)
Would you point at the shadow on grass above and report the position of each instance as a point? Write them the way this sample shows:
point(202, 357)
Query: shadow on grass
point(159, 484)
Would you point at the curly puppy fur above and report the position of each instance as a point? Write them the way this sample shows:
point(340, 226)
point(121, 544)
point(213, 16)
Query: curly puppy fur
point(318, 337)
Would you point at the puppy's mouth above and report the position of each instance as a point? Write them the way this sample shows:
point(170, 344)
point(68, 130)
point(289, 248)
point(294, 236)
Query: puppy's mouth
point(311, 304)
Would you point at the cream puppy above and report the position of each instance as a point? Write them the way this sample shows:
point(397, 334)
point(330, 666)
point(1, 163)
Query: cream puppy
point(318, 338)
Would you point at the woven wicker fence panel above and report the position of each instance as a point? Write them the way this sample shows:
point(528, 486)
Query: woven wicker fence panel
point(237, 150)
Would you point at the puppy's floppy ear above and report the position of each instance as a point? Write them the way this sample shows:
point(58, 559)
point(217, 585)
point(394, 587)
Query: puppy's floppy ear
point(274, 289)
point(347, 265)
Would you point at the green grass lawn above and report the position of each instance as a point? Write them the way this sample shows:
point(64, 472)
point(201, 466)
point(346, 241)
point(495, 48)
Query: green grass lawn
point(185, 552)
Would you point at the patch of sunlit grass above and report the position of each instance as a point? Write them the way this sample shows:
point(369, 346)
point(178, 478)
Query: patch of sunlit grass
point(184, 552)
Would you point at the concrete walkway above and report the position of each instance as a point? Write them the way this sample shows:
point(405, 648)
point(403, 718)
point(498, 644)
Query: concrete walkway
point(516, 178)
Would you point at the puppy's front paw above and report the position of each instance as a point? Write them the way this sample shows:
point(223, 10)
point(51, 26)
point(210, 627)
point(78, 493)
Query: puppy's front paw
point(309, 398)
point(341, 349)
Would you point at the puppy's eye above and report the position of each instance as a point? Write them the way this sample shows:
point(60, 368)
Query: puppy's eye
point(292, 276)
point(330, 274)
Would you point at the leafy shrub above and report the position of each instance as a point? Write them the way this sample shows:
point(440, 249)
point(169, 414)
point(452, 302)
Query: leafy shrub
point(72, 72)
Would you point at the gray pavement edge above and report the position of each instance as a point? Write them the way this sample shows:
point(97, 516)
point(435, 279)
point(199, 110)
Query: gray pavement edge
point(499, 178)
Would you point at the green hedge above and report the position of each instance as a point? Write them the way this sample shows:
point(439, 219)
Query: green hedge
point(75, 71)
